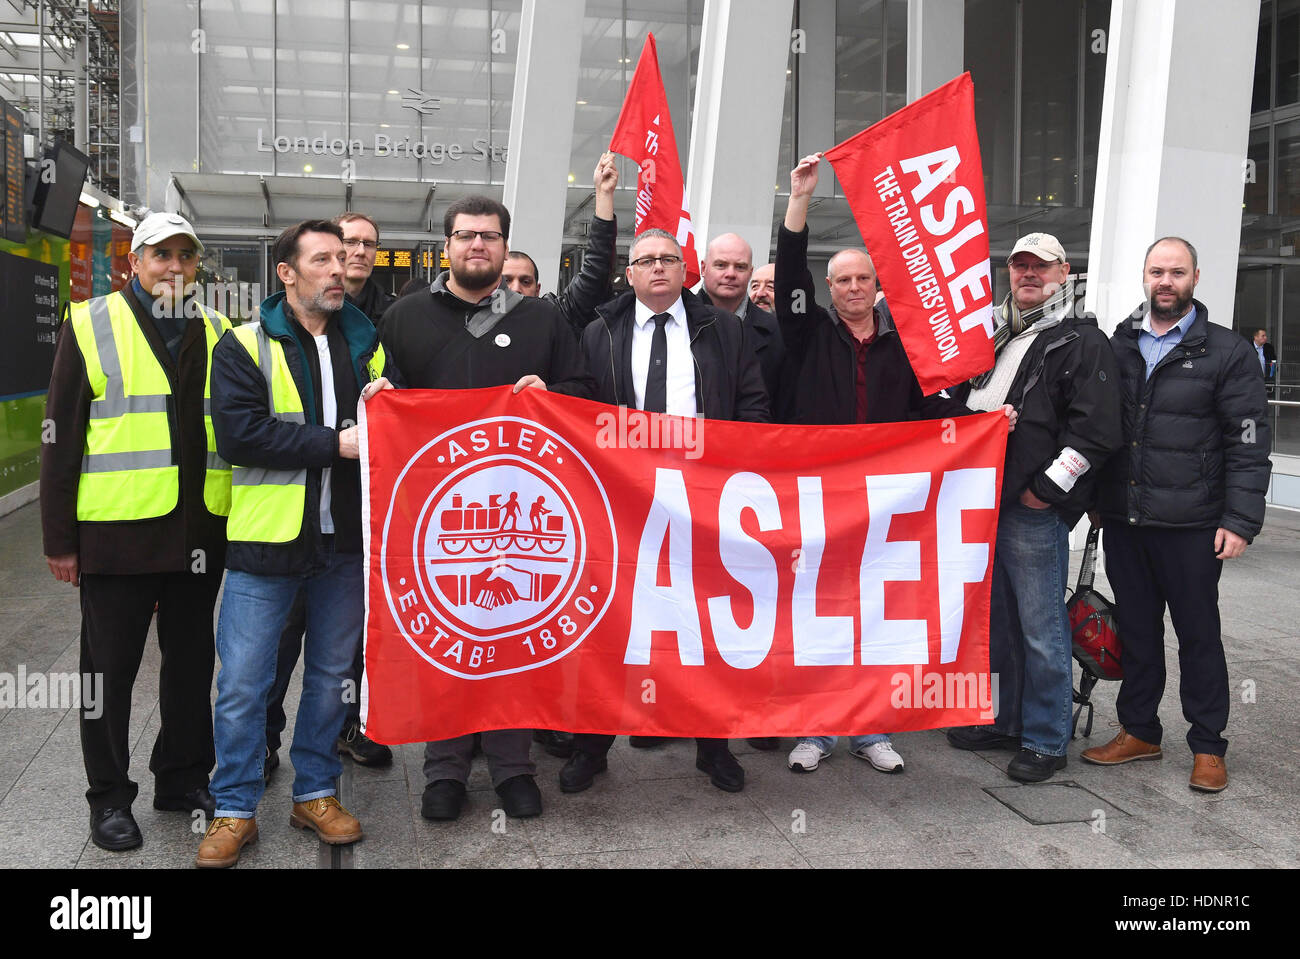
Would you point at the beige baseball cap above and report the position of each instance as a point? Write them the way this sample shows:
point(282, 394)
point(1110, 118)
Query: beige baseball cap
point(157, 227)
point(1042, 245)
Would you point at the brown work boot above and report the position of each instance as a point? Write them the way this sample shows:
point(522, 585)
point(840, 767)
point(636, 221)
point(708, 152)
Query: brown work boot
point(1209, 773)
point(334, 824)
point(1122, 749)
point(223, 840)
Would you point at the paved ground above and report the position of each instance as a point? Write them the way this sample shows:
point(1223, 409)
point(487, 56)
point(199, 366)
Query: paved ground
point(653, 809)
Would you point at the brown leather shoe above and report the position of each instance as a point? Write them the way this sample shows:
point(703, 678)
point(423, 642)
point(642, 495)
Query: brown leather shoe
point(334, 824)
point(223, 840)
point(1209, 773)
point(1122, 749)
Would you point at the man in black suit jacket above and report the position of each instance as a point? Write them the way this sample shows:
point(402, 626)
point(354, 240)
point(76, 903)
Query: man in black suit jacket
point(660, 348)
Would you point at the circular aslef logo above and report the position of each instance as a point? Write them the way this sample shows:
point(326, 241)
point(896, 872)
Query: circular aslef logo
point(488, 548)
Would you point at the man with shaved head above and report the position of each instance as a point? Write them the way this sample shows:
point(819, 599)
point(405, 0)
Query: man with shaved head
point(844, 364)
point(728, 267)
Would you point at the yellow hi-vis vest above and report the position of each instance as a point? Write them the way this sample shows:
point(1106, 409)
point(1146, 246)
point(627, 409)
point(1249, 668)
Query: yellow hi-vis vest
point(267, 505)
point(129, 469)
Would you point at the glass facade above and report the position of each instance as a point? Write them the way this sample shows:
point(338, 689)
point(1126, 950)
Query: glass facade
point(421, 92)
point(1268, 278)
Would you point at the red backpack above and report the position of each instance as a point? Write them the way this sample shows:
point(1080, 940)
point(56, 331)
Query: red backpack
point(1092, 620)
point(1093, 634)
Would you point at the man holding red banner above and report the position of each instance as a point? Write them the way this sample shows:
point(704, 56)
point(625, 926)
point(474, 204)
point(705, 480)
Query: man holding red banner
point(848, 367)
point(661, 349)
point(1056, 368)
point(469, 330)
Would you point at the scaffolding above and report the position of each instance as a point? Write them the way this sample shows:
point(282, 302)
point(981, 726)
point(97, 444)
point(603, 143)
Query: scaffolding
point(59, 64)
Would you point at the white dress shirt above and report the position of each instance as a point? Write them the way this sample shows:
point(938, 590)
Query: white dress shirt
point(681, 364)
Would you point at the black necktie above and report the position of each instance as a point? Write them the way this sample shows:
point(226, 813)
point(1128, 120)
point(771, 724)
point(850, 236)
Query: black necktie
point(656, 377)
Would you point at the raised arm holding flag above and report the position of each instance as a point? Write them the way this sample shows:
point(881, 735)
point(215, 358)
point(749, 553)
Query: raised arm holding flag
point(644, 133)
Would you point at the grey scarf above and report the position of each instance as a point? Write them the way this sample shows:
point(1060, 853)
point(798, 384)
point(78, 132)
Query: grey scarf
point(489, 312)
point(1010, 321)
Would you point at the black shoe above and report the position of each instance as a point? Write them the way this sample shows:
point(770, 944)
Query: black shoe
point(520, 797)
point(724, 772)
point(363, 750)
point(580, 771)
point(270, 763)
point(981, 737)
point(442, 800)
point(198, 798)
point(114, 829)
point(646, 742)
point(1032, 767)
point(765, 743)
point(554, 742)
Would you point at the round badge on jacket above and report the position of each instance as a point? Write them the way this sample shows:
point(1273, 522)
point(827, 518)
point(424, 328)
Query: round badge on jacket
point(502, 340)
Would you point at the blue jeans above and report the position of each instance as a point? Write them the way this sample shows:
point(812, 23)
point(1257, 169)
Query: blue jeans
point(827, 743)
point(253, 612)
point(1029, 634)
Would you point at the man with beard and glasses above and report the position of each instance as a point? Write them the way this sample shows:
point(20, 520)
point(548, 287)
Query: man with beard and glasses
point(1055, 368)
point(470, 330)
point(1185, 492)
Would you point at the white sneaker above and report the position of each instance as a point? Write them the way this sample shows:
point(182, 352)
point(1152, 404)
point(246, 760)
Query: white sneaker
point(881, 755)
point(805, 757)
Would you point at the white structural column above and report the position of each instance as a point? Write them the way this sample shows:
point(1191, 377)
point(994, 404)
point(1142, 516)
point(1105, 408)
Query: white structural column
point(815, 61)
point(935, 44)
point(541, 130)
point(1174, 125)
point(736, 132)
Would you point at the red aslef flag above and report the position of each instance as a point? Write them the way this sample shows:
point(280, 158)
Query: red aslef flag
point(644, 133)
point(915, 184)
point(539, 561)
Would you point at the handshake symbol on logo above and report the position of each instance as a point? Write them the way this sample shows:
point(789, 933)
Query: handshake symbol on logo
point(501, 585)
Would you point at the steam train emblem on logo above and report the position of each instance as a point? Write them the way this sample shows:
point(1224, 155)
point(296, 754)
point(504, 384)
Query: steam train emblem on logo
point(480, 527)
point(497, 565)
point(499, 575)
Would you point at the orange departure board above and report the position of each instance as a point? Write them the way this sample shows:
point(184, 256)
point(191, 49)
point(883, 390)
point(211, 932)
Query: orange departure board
point(15, 223)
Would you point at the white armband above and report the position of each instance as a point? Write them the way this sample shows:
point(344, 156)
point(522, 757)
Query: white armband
point(1067, 468)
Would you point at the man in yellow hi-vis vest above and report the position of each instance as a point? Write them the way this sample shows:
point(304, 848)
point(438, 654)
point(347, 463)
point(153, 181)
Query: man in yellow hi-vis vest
point(284, 406)
point(134, 500)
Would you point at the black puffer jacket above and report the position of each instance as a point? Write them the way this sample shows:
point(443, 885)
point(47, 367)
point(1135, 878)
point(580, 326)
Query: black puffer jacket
point(1196, 435)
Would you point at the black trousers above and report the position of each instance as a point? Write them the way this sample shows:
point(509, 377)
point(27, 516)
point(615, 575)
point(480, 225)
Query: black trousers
point(285, 661)
point(115, 615)
point(1150, 568)
point(596, 744)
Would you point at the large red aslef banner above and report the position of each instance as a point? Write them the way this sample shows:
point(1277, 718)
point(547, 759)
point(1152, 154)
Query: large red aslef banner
point(541, 561)
point(915, 184)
